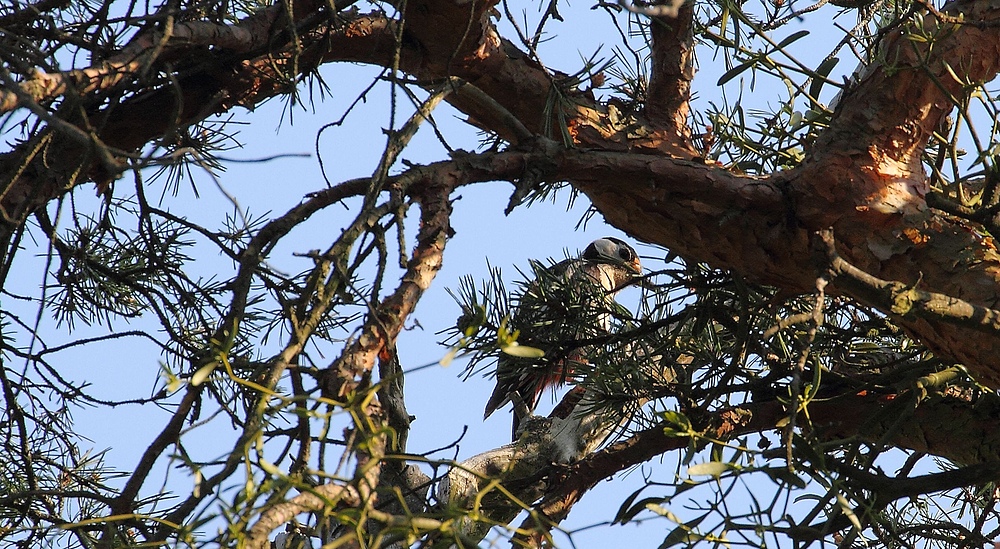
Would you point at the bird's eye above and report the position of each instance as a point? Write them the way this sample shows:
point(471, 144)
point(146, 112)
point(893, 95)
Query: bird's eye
point(625, 254)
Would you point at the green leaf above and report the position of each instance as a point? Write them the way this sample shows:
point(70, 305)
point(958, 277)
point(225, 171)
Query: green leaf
point(202, 374)
point(682, 487)
point(683, 533)
point(621, 517)
point(709, 468)
point(794, 37)
point(736, 71)
point(173, 382)
point(845, 507)
point(627, 512)
point(522, 351)
point(795, 120)
point(448, 357)
point(663, 512)
point(677, 424)
point(269, 467)
point(819, 78)
point(781, 475)
point(198, 479)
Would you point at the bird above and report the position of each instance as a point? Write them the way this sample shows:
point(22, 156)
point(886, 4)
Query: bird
point(566, 303)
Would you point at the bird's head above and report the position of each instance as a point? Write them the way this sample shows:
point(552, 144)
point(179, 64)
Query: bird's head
point(613, 251)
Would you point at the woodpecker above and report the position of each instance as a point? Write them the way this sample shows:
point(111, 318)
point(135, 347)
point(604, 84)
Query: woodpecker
point(567, 302)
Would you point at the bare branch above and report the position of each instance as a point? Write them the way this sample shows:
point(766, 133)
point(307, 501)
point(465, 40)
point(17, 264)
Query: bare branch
point(325, 496)
point(381, 329)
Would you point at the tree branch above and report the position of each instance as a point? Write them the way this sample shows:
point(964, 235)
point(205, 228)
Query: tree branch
point(863, 178)
point(671, 72)
point(378, 336)
point(867, 163)
point(904, 300)
point(939, 426)
point(31, 11)
point(326, 496)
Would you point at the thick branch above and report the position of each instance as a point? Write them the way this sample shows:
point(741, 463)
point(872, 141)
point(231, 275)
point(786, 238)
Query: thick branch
point(748, 225)
point(862, 177)
point(16, 16)
point(883, 123)
point(703, 213)
point(36, 172)
point(139, 54)
point(903, 300)
point(938, 426)
point(671, 71)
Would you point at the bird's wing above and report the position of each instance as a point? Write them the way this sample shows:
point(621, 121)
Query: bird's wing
point(565, 302)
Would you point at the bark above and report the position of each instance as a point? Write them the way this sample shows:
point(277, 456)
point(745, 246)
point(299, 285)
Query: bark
point(379, 334)
point(958, 429)
point(862, 177)
point(672, 72)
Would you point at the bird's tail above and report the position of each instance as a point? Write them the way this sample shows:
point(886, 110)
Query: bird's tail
point(499, 397)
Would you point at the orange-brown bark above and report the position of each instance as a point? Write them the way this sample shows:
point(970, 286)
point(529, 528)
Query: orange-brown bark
point(671, 72)
point(381, 329)
point(862, 176)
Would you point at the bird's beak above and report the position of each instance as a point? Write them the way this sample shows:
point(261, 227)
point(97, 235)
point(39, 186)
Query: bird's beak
point(634, 266)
